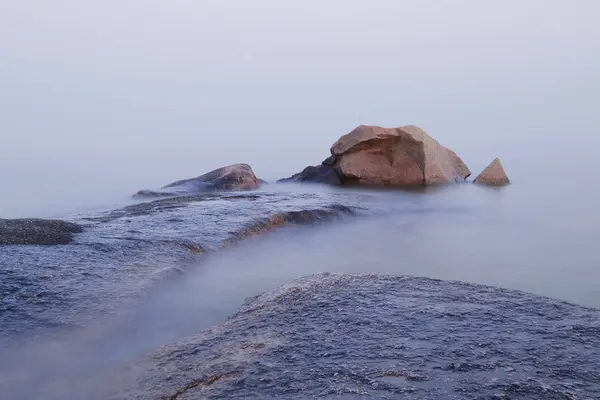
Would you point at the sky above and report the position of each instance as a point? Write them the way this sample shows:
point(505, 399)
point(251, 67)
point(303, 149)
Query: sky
point(115, 96)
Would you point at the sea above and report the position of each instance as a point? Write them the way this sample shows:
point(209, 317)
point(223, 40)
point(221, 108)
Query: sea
point(102, 100)
point(130, 282)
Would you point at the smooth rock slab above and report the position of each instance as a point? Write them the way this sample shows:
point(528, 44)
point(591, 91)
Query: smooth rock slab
point(346, 336)
point(236, 177)
point(37, 231)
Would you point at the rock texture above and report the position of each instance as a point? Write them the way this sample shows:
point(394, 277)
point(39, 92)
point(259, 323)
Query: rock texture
point(236, 177)
point(281, 219)
point(373, 155)
point(342, 336)
point(37, 231)
point(315, 174)
point(493, 175)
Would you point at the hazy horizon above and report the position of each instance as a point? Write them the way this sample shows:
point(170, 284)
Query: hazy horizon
point(101, 99)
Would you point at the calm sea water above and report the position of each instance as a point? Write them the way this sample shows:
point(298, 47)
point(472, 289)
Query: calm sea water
point(127, 286)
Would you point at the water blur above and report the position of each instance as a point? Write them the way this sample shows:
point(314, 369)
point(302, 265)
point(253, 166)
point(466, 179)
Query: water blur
point(127, 286)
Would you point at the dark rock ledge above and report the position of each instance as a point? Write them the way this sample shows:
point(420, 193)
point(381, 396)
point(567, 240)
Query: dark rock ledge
point(37, 231)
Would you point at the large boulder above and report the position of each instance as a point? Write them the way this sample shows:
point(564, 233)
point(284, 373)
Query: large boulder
point(493, 175)
point(373, 155)
point(236, 177)
point(37, 231)
point(315, 174)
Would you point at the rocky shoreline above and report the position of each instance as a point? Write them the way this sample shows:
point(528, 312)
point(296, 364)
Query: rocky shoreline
point(367, 156)
point(122, 253)
point(323, 336)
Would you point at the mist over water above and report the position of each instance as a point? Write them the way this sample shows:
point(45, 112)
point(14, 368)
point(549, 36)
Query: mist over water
point(100, 100)
point(461, 232)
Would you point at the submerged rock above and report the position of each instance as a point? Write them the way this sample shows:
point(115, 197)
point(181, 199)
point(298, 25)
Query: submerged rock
point(372, 155)
point(493, 175)
point(367, 336)
point(236, 177)
point(315, 174)
point(37, 231)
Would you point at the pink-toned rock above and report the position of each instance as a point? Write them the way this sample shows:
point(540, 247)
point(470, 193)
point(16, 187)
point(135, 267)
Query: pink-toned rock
point(373, 155)
point(493, 175)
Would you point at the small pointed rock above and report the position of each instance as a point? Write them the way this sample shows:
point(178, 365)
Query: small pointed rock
point(493, 175)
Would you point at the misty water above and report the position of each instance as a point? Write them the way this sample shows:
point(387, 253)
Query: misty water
point(89, 115)
point(103, 302)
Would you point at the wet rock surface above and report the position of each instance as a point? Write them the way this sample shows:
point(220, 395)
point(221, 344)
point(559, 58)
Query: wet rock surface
point(315, 174)
point(344, 336)
point(377, 156)
point(122, 251)
point(37, 232)
point(279, 220)
point(236, 177)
